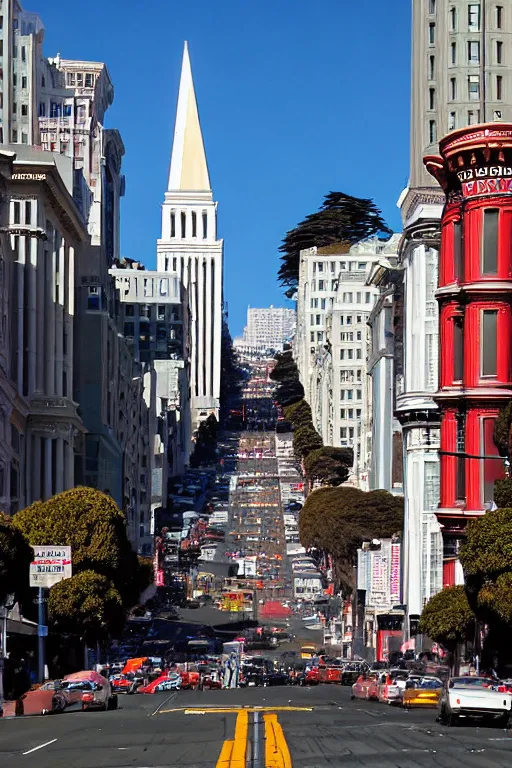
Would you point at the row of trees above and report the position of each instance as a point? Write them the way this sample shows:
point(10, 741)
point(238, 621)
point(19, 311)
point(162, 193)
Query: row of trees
point(327, 465)
point(108, 576)
point(452, 616)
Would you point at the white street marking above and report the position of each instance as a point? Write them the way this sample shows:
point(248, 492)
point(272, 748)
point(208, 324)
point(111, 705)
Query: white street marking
point(34, 749)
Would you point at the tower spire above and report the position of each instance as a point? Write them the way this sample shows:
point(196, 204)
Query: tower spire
point(189, 170)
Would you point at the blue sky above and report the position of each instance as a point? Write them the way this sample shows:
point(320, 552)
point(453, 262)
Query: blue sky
point(296, 99)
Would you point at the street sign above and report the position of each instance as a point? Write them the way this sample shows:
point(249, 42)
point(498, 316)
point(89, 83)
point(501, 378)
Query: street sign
point(50, 565)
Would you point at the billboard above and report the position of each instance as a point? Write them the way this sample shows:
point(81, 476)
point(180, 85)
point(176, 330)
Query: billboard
point(50, 565)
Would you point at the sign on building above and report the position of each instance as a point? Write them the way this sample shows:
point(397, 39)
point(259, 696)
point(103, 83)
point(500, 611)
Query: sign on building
point(50, 565)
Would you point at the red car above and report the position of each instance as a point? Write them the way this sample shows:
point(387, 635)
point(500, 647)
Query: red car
point(310, 676)
point(330, 672)
point(366, 687)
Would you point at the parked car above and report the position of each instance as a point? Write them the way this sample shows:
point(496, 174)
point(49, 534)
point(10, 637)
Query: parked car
point(330, 671)
point(474, 698)
point(48, 699)
point(425, 692)
point(96, 691)
point(366, 687)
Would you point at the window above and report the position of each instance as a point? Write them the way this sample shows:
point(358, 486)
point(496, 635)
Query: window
point(499, 16)
point(88, 80)
point(453, 53)
point(79, 79)
point(342, 413)
point(432, 131)
point(499, 52)
point(67, 110)
point(312, 336)
point(320, 336)
point(28, 211)
point(93, 299)
point(318, 320)
point(474, 17)
point(359, 354)
point(350, 354)
point(358, 297)
point(367, 297)
point(351, 432)
point(343, 433)
point(42, 109)
point(358, 413)
point(499, 87)
point(452, 121)
point(70, 78)
point(194, 224)
point(431, 33)
point(431, 98)
point(359, 394)
point(432, 6)
point(24, 110)
point(458, 253)
point(473, 52)
point(320, 266)
point(333, 266)
point(453, 88)
point(321, 285)
point(358, 335)
point(458, 349)
point(453, 19)
point(489, 343)
point(342, 354)
point(183, 218)
point(350, 394)
point(474, 87)
point(490, 242)
point(322, 303)
point(431, 486)
point(473, 116)
point(129, 330)
point(361, 265)
point(342, 394)
point(14, 107)
point(23, 53)
point(160, 314)
point(349, 320)
point(350, 413)
point(17, 209)
point(129, 310)
point(431, 67)
point(205, 225)
point(347, 298)
point(24, 81)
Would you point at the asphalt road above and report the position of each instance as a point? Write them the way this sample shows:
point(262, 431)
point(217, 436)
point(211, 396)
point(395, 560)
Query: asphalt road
point(319, 727)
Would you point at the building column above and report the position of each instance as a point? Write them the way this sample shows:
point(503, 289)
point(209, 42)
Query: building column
point(35, 485)
point(217, 323)
point(69, 312)
point(32, 328)
point(59, 466)
point(200, 326)
point(69, 463)
point(209, 317)
point(49, 311)
point(19, 266)
point(192, 288)
point(42, 256)
point(47, 468)
point(59, 319)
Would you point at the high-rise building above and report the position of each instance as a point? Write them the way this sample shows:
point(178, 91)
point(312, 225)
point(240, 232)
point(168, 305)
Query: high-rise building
point(461, 72)
point(461, 75)
point(190, 249)
point(268, 328)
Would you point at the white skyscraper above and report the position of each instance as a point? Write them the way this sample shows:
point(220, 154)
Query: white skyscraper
point(189, 247)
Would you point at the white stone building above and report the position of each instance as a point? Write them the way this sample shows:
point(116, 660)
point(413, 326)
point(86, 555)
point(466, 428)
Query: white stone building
point(331, 344)
point(268, 328)
point(190, 249)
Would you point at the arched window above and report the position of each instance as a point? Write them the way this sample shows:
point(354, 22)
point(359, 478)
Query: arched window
point(173, 224)
point(194, 224)
point(205, 225)
point(183, 224)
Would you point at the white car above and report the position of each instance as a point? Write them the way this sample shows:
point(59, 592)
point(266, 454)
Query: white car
point(474, 697)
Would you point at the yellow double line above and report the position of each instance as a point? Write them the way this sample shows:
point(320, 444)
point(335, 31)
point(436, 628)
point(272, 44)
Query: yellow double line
point(234, 751)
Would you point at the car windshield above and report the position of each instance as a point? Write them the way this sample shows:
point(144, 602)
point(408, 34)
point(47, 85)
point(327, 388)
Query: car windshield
point(79, 685)
point(476, 682)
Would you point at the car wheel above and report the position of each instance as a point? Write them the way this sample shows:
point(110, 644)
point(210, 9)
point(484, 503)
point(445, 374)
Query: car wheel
point(84, 708)
point(112, 702)
point(45, 711)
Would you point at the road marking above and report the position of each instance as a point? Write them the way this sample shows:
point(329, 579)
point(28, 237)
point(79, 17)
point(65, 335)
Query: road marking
point(277, 754)
point(230, 710)
point(234, 751)
point(171, 697)
point(34, 749)
point(224, 760)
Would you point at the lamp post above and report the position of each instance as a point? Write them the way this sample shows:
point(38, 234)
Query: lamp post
point(6, 607)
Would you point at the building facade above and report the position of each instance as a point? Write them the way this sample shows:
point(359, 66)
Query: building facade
point(461, 75)
point(331, 345)
point(155, 324)
point(474, 170)
point(268, 328)
point(384, 368)
point(190, 249)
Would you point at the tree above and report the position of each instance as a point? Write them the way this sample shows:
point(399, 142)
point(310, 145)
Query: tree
point(92, 524)
point(299, 414)
point(337, 520)
point(88, 605)
point(341, 219)
point(329, 465)
point(205, 449)
point(305, 440)
point(502, 430)
point(15, 557)
point(289, 392)
point(447, 618)
point(285, 368)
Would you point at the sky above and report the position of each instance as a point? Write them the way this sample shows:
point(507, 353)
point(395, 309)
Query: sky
point(296, 98)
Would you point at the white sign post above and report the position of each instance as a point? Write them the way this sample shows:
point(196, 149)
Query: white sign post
point(50, 565)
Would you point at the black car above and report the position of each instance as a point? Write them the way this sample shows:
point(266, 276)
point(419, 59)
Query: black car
point(351, 672)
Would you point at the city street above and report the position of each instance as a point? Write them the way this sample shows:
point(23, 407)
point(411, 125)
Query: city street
point(321, 727)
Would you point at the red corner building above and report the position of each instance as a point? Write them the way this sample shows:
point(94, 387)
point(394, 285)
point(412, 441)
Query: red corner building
point(475, 316)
